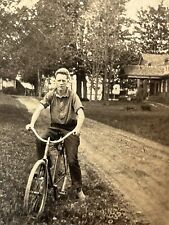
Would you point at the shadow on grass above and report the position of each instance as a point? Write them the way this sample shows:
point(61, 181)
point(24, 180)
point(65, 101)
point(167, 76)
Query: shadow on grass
point(11, 110)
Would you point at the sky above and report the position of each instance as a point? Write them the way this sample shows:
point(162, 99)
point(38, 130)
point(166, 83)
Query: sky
point(28, 3)
point(132, 6)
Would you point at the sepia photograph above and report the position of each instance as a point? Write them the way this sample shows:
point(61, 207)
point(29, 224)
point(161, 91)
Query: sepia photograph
point(84, 112)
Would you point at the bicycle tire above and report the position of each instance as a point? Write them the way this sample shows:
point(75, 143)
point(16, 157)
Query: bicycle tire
point(37, 187)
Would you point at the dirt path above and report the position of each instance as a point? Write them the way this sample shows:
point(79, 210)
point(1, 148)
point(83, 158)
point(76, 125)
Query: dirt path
point(137, 167)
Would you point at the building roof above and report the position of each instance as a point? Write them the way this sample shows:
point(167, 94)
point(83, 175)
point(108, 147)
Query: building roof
point(152, 66)
point(27, 85)
point(146, 71)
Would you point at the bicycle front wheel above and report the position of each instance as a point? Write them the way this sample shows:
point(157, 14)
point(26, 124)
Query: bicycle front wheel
point(36, 189)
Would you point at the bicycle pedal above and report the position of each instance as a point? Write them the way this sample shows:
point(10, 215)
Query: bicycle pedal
point(55, 186)
point(62, 193)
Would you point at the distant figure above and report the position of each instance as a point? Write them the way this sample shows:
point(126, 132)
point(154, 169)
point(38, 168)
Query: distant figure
point(116, 91)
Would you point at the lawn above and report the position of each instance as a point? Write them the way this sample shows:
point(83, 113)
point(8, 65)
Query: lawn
point(103, 205)
point(145, 120)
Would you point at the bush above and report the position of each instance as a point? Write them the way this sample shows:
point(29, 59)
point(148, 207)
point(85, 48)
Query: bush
point(146, 107)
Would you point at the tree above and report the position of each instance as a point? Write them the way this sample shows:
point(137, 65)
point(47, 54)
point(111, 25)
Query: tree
point(102, 37)
point(86, 37)
point(48, 34)
point(37, 41)
point(152, 29)
point(7, 38)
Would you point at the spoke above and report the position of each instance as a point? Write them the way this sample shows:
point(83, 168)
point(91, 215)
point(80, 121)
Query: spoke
point(37, 191)
point(32, 203)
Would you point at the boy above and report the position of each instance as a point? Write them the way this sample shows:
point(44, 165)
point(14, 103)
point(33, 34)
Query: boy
point(66, 111)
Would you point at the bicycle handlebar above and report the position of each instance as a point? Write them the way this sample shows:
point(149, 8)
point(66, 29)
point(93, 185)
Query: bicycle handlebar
point(54, 142)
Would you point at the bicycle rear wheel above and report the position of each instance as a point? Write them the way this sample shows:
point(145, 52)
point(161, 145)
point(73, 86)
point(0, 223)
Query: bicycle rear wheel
point(36, 189)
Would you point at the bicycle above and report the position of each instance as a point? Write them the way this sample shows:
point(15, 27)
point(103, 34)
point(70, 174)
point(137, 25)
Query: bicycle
point(42, 175)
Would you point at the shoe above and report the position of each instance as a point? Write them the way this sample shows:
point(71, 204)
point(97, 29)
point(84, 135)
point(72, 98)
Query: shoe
point(81, 196)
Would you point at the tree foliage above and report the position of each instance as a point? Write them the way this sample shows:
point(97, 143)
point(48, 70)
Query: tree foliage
point(152, 29)
point(42, 37)
point(7, 38)
point(86, 37)
point(103, 35)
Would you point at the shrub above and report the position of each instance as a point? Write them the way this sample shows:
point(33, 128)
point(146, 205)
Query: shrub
point(10, 91)
point(146, 107)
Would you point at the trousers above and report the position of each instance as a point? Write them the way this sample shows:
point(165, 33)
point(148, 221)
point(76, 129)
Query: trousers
point(71, 147)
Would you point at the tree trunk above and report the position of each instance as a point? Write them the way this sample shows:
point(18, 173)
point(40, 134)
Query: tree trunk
point(106, 46)
point(1, 84)
point(91, 88)
point(103, 90)
point(105, 81)
point(97, 85)
point(39, 84)
point(79, 86)
point(85, 88)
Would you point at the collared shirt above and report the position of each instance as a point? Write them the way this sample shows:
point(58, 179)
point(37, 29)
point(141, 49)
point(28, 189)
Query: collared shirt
point(63, 109)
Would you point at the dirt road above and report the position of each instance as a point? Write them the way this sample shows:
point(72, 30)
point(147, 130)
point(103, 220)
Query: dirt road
point(136, 167)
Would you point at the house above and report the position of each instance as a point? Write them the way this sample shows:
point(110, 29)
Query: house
point(24, 88)
point(153, 71)
point(7, 83)
point(15, 86)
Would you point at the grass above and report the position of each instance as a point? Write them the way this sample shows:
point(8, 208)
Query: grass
point(148, 122)
point(102, 207)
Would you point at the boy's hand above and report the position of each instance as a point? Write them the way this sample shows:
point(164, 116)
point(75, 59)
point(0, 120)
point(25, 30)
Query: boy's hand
point(29, 126)
point(76, 131)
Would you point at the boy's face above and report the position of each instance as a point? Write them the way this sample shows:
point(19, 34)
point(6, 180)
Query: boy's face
point(61, 82)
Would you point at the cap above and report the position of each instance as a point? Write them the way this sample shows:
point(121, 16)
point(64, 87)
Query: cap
point(63, 71)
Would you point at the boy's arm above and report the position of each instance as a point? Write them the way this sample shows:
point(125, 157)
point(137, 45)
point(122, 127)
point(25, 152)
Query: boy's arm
point(35, 116)
point(80, 120)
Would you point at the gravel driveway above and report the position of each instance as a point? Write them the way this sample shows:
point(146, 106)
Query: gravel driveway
point(137, 168)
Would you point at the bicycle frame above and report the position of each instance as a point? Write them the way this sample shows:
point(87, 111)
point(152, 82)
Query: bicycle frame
point(61, 154)
point(33, 190)
point(48, 141)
